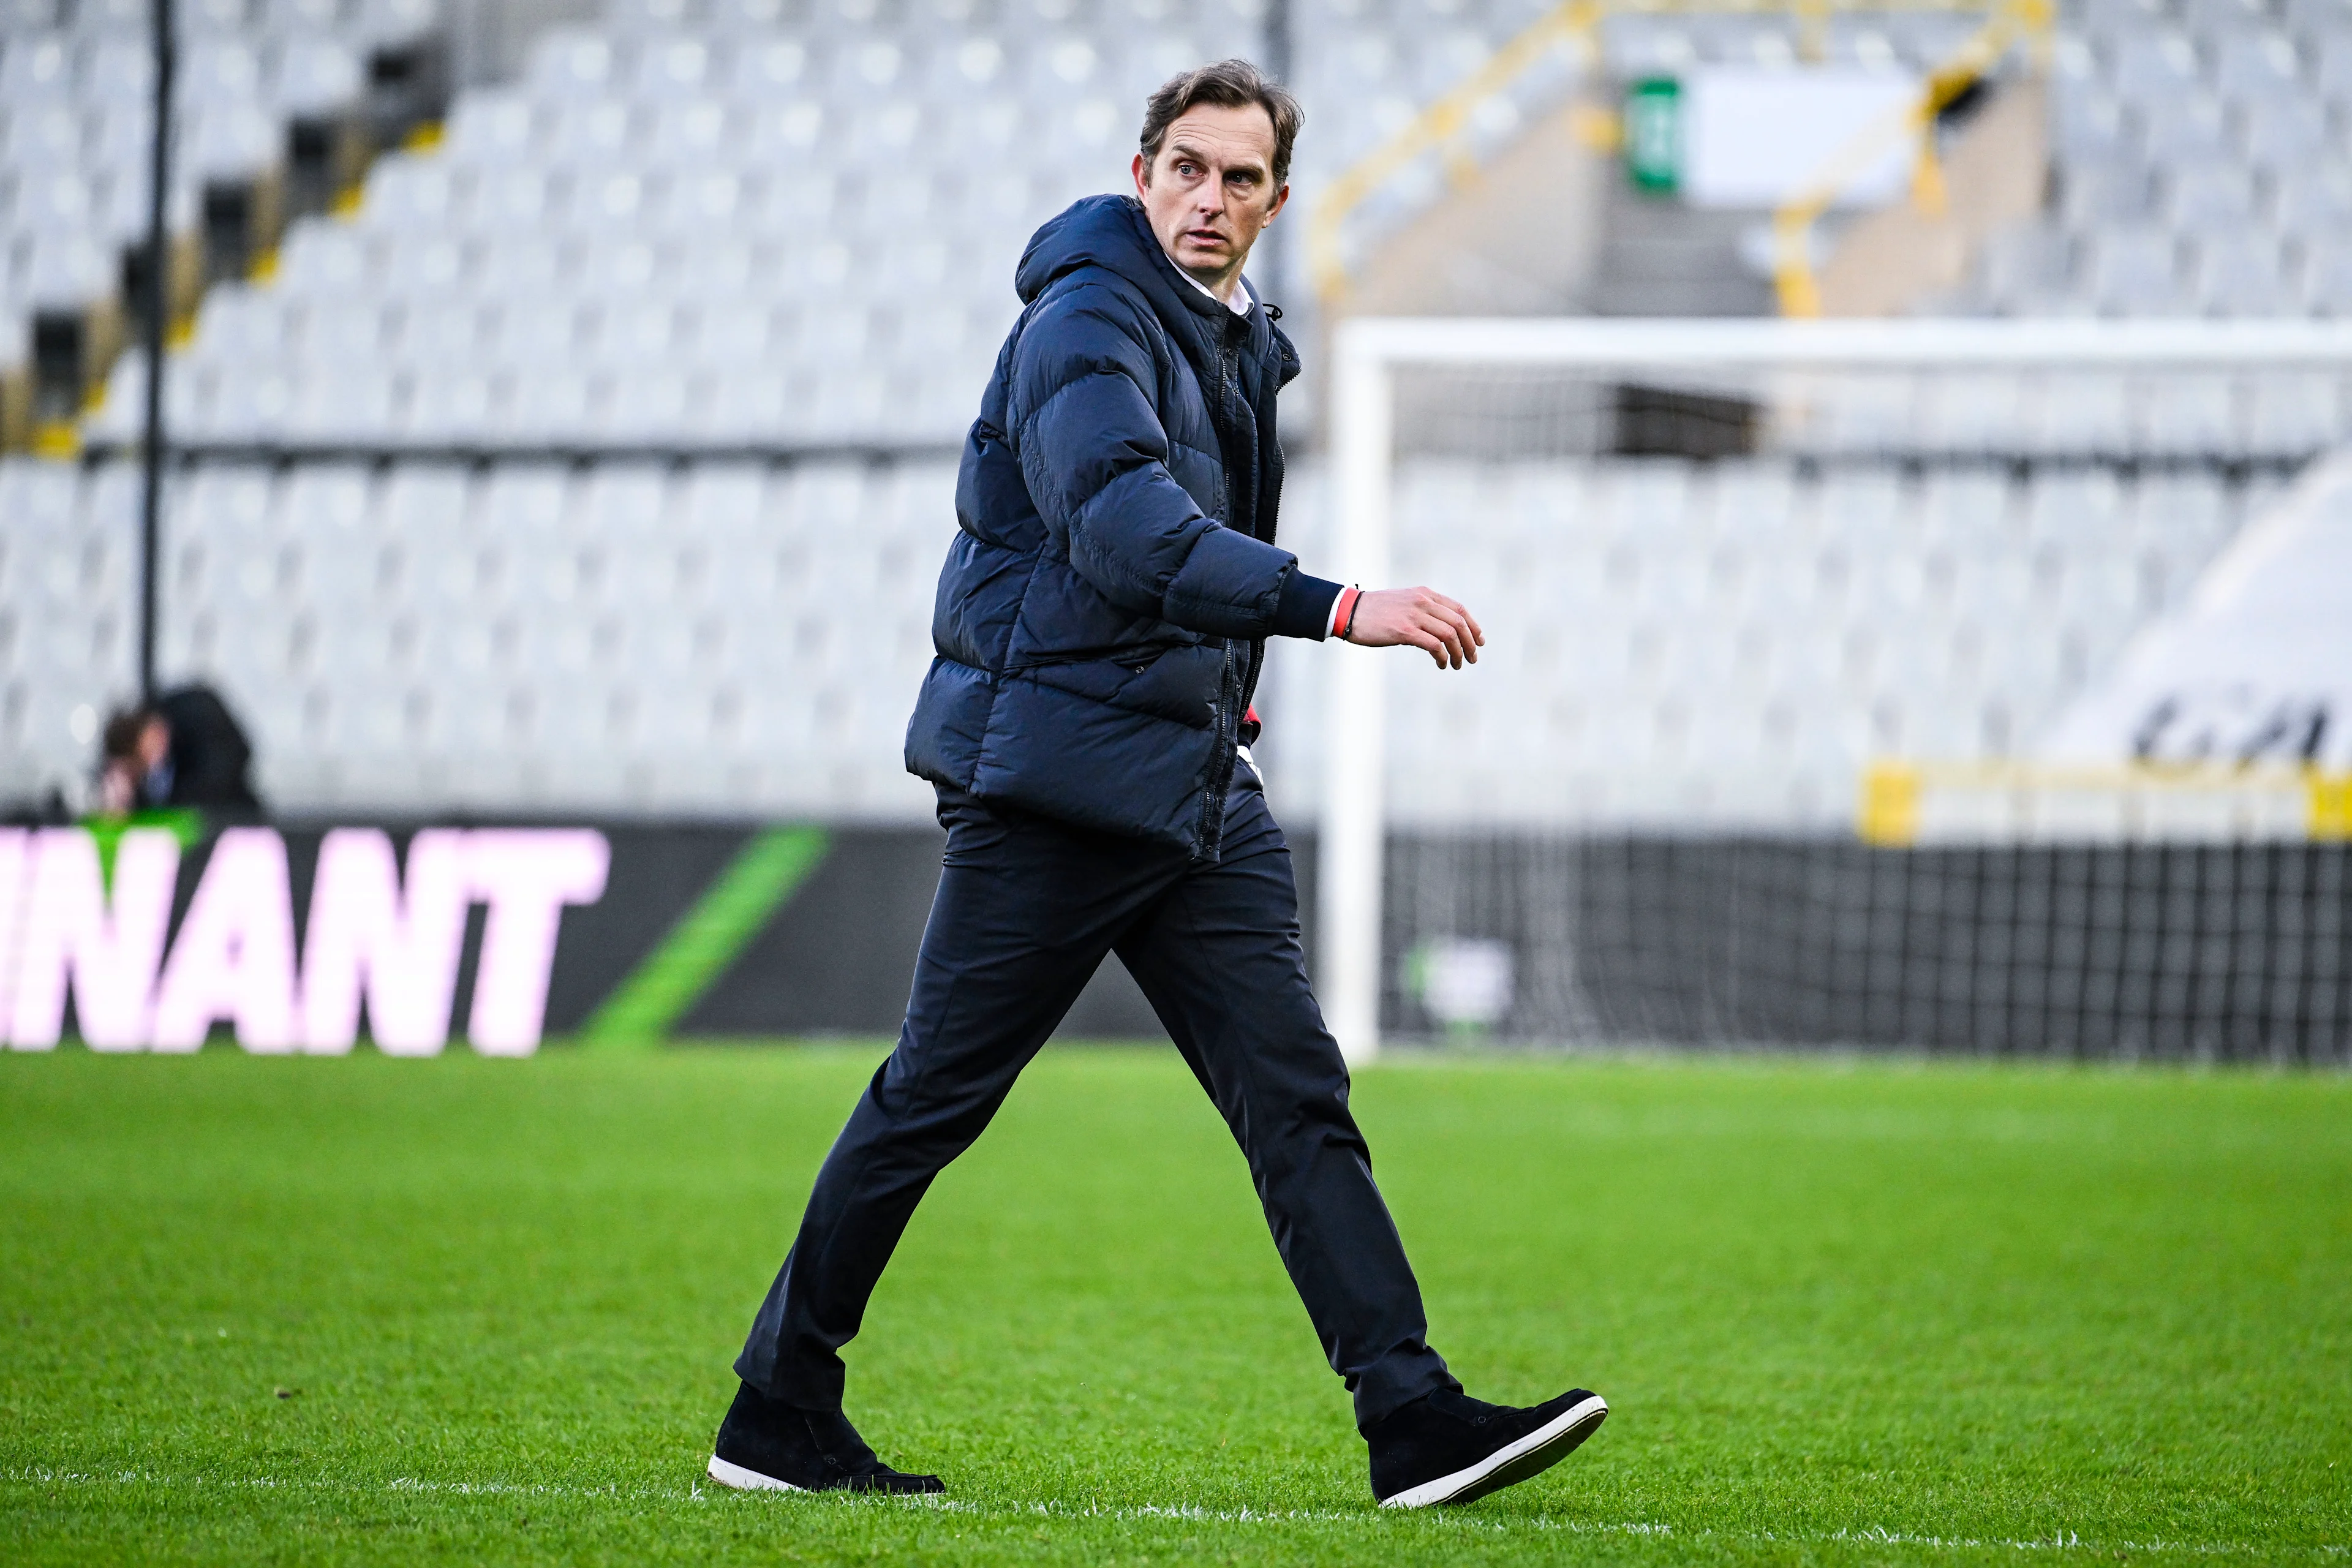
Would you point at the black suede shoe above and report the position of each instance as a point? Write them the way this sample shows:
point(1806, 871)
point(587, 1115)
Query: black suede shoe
point(1447, 1447)
point(766, 1445)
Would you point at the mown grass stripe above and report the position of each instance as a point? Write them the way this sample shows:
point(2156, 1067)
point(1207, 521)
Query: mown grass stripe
point(707, 938)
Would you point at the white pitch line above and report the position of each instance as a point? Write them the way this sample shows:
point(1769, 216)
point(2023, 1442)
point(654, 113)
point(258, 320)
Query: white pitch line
point(41, 1477)
point(2061, 1540)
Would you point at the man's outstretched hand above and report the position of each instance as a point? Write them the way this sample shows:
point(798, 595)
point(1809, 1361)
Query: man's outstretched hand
point(1418, 617)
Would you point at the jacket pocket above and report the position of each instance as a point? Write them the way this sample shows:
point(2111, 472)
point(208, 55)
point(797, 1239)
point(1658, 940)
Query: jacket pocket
point(1180, 684)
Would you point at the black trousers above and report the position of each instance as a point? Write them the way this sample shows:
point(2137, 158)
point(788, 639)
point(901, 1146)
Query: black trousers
point(1026, 910)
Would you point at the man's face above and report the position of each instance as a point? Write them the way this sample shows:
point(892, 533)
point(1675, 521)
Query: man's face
point(1211, 191)
point(155, 746)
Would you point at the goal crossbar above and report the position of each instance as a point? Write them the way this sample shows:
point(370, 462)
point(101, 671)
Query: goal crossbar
point(1369, 342)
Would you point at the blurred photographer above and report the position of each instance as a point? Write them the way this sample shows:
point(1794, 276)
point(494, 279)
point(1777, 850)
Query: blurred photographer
point(184, 749)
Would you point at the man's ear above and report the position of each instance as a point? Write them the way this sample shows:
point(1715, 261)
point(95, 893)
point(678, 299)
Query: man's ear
point(1281, 199)
point(1142, 175)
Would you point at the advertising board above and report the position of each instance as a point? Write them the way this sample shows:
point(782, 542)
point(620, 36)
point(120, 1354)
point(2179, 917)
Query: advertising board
point(313, 937)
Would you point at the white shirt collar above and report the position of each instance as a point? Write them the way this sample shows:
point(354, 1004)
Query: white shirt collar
point(1239, 304)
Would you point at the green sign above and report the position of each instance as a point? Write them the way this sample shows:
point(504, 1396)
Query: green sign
point(1653, 135)
point(186, 825)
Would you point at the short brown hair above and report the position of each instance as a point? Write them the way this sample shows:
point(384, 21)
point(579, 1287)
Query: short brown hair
point(119, 741)
point(1228, 84)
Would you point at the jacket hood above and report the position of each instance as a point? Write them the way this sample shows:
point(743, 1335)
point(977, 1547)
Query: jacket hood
point(1112, 232)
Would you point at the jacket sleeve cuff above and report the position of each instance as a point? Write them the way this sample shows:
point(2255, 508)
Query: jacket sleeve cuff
point(1304, 608)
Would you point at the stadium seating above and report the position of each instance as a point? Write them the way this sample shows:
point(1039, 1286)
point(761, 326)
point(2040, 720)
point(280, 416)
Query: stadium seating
point(755, 235)
point(627, 636)
point(567, 225)
point(67, 620)
point(2200, 164)
point(633, 242)
point(739, 223)
point(1677, 643)
point(75, 112)
point(1672, 641)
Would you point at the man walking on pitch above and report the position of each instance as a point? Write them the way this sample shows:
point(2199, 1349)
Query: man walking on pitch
point(1101, 626)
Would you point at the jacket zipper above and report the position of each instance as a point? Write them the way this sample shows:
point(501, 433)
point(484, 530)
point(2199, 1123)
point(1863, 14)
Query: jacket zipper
point(1212, 834)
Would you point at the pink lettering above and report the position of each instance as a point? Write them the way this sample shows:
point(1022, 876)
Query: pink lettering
point(234, 957)
point(106, 951)
point(363, 934)
point(525, 876)
point(13, 845)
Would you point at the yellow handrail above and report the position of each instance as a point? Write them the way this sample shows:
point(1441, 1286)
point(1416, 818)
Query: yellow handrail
point(1439, 127)
point(1435, 127)
point(1792, 224)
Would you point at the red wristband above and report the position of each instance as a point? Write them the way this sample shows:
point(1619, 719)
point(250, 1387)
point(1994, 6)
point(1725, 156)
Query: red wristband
point(1343, 612)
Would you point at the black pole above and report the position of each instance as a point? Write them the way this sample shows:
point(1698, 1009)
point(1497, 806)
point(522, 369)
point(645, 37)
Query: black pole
point(1277, 40)
point(1278, 61)
point(158, 324)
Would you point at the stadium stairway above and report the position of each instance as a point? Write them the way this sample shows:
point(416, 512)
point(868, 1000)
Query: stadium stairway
point(277, 103)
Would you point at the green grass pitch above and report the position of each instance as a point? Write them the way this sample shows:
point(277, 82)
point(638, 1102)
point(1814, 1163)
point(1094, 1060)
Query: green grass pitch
point(368, 1310)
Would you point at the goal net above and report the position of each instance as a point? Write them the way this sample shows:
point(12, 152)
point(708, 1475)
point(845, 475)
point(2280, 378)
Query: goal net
point(1807, 711)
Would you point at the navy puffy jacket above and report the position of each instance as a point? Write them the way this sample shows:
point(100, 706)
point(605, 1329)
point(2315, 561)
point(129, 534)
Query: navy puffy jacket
point(1103, 611)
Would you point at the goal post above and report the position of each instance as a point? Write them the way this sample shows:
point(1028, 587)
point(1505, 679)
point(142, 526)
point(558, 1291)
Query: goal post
point(1353, 826)
point(1893, 392)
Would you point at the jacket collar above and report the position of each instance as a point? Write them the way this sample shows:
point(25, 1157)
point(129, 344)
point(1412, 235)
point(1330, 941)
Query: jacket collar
point(1112, 233)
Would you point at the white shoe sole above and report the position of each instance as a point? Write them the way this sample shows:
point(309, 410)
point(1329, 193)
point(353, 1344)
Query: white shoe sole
point(1512, 1463)
point(744, 1480)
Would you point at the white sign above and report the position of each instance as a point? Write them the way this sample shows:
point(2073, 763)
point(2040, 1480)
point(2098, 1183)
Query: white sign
point(1465, 982)
point(1756, 137)
point(369, 938)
